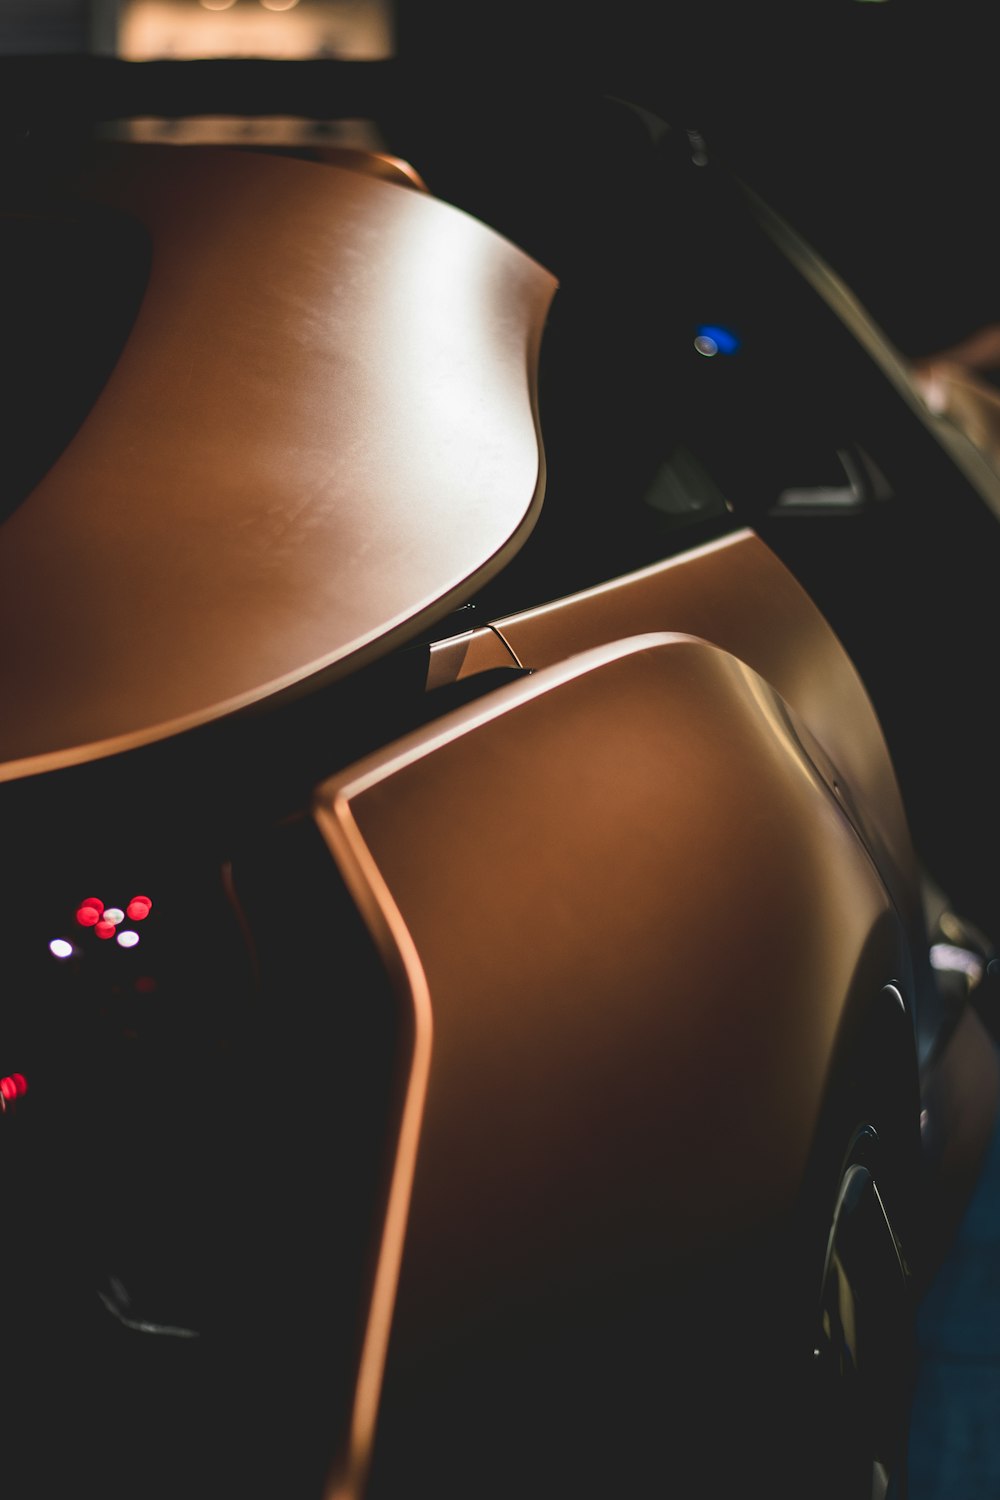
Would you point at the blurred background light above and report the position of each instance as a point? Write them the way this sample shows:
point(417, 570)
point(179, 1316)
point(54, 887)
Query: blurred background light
point(725, 341)
point(145, 30)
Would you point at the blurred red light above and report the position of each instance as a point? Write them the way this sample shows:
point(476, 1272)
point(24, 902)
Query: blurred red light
point(20, 1083)
point(88, 916)
point(8, 1088)
point(95, 902)
point(105, 929)
point(138, 908)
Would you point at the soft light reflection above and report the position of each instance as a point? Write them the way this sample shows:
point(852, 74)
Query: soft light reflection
point(128, 939)
point(948, 956)
point(216, 4)
point(279, 4)
point(706, 346)
point(114, 914)
point(59, 948)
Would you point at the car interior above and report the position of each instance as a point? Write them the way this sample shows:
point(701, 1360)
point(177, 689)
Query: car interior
point(493, 622)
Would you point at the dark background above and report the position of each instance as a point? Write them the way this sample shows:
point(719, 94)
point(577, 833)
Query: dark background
point(871, 124)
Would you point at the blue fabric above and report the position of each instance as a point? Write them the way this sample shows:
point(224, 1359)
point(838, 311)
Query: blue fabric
point(955, 1433)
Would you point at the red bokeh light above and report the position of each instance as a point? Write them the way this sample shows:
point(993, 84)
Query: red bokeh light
point(15, 1086)
point(88, 916)
point(105, 930)
point(95, 902)
point(138, 908)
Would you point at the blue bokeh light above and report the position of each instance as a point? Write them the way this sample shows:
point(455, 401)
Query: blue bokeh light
point(724, 339)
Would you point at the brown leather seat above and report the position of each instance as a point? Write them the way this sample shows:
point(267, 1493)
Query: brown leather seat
point(319, 435)
point(630, 926)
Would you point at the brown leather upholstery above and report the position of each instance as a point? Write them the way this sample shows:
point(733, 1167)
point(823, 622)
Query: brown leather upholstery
point(629, 923)
point(320, 433)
